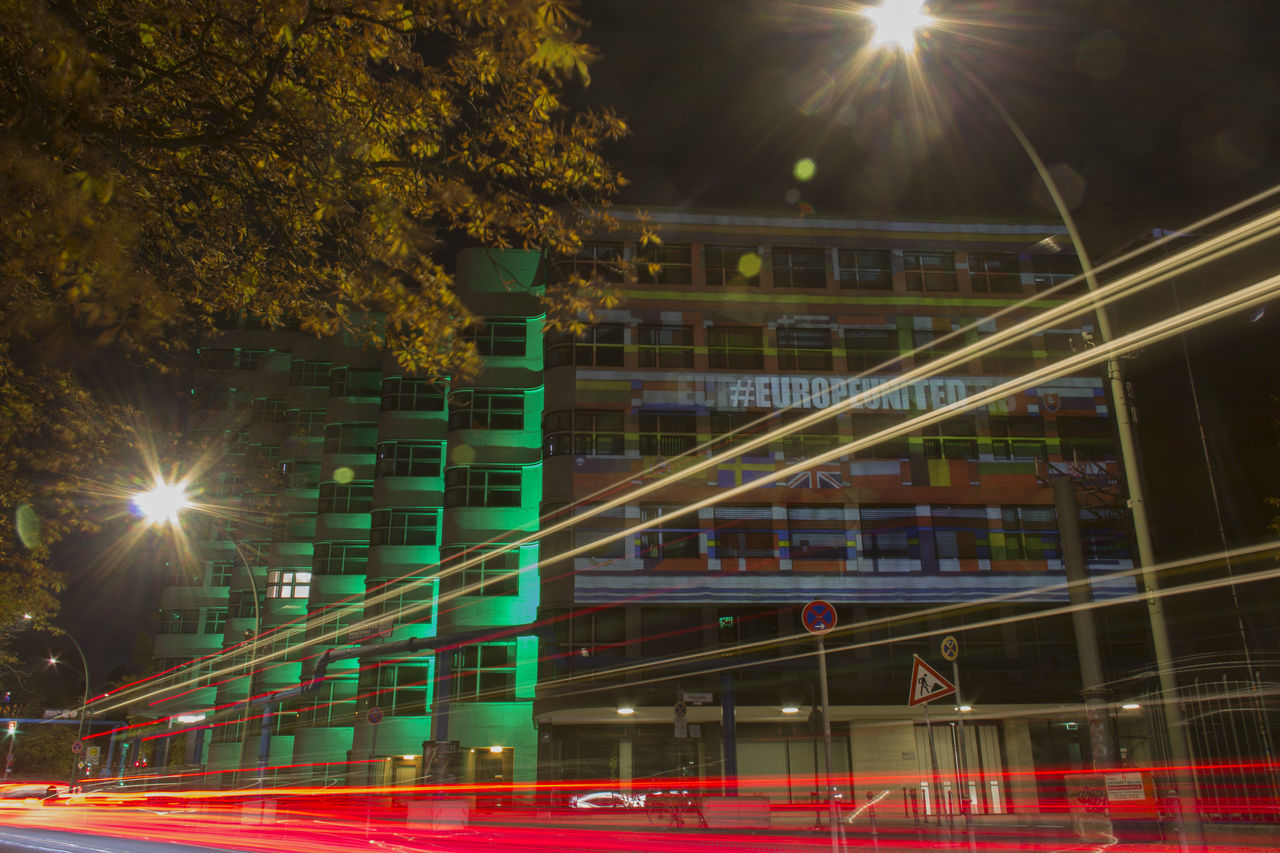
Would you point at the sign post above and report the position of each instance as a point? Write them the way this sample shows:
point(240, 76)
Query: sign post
point(819, 618)
point(928, 684)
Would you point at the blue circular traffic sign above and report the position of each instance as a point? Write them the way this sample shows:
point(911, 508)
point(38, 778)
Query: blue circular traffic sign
point(818, 617)
point(375, 715)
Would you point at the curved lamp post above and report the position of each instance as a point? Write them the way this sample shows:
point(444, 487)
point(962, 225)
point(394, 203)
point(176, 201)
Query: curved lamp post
point(162, 504)
point(897, 23)
point(84, 704)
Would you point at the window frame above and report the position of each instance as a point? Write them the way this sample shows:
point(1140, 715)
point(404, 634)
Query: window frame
point(794, 267)
point(492, 486)
point(853, 274)
point(796, 353)
point(724, 352)
point(930, 271)
point(679, 540)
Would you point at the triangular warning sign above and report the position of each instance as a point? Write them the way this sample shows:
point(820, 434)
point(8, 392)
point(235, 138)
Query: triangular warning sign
point(927, 684)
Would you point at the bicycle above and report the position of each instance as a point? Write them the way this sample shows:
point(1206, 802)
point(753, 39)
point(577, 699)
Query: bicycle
point(672, 808)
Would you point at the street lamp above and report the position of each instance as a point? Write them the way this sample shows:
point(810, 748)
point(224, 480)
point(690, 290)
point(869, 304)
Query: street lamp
point(84, 704)
point(162, 504)
point(898, 22)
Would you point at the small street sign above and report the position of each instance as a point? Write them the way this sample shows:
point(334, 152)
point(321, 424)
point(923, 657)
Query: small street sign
point(681, 727)
point(375, 715)
point(680, 710)
point(77, 747)
point(695, 730)
point(93, 754)
point(818, 616)
point(695, 698)
point(950, 648)
point(927, 684)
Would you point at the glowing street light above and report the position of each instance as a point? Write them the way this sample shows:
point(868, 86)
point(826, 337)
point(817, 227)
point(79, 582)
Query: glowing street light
point(895, 23)
point(899, 27)
point(162, 503)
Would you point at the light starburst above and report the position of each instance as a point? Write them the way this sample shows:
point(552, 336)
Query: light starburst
point(896, 22)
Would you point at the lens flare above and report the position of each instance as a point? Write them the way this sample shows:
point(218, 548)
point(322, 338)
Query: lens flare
point(162, 503)
point(896, 21)
point(804, 169)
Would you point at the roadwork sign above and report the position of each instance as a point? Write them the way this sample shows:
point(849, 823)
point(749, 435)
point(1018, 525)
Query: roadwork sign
point(927, 684)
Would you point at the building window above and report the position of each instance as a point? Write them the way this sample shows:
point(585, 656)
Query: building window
point(304, 423)
point(216, 358)
point(484, 571)
point(267, 410)
point(495, 337)
point(354, 382)
point(596, 346)
point(667, 264)
point(954, 438)
point(930, 271)
point(485, 673)
point(486, 410)
point(932, 345)
point(252, 359)
point(1017, 438)
point(890, 537)
point(411, 395)
point(725, 265)
point(1086, 439)
point(1030, 532)
point(602, 261)
point(296, 474)
point(580, 433)
point(588, 533)
point(288, 584)
point(350, 438)
point(664, 346)
point(1011, 359)
point(220, 572)
point(745, 531)
point(799, 267)
point(1051, 270)
point(864, 269)
point(308, 374)
point(733, 429)
point(872, 349)
point(960, 533)
point(477, 485)
point(215, 620)
point(866, 425)
point(241, 604)
point(398, 688)
point(816, 532)
point(180, 621)
point(815, 438)
point(178, 575)
point(345, 497)
point(408, 459)
point(340, 558)
point(804, 348)
point(404, 527)
point(737, 625)
point(737, 347)
point(667, 433)
point(995, 272)
point(668, 541)
point(592, 632)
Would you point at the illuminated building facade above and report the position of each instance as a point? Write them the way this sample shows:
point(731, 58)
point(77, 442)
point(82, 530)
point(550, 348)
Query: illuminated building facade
point(739, 323)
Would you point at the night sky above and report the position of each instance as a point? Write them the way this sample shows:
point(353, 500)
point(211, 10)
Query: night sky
point(1154, 106)
point(1151, 112)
